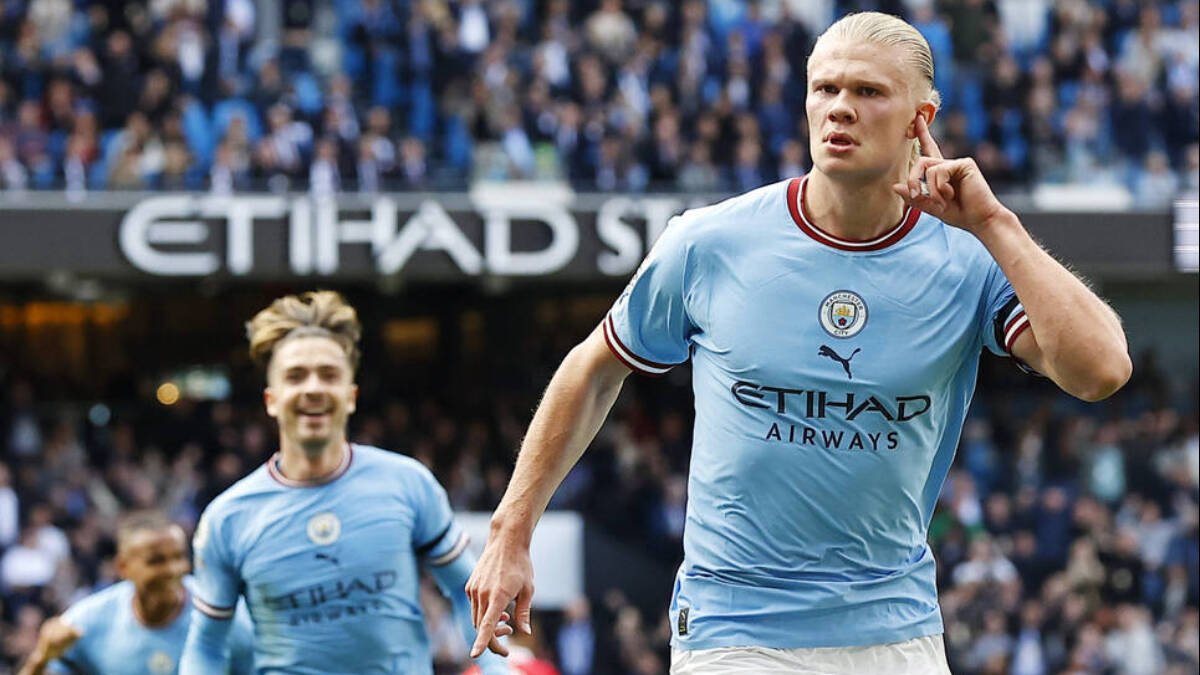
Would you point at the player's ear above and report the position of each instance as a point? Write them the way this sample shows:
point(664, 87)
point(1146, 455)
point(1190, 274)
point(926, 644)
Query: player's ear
point(121, 563)
point(269, 401)
point(353, 402)
point(925, 109)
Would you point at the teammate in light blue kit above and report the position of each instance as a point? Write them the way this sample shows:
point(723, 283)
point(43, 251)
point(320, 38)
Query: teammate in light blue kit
point(326, 539)
point(138, 625)
point(834, 325)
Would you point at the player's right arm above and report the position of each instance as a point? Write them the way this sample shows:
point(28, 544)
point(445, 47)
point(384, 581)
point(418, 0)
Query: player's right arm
point(54, 639)
point(214, 600)
point(648, 330)
point(576, 402)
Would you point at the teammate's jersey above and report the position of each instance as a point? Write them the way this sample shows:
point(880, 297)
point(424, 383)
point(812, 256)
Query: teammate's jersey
point(115, 642)
point(329, 569)
point(831, 381)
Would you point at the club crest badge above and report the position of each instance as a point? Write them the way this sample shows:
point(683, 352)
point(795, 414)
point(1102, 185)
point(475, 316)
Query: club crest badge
point(324, 529)
point(843, 314)
point(160, 663)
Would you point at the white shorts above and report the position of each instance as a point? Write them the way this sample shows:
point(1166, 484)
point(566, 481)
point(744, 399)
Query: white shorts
point(919, 656)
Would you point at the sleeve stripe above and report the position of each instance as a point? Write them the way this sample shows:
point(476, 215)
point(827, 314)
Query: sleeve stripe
point(1013, 330)
point(221, 613)
point(1004, 317)
point(452, 554)
point(432, 543)
point(631, 360)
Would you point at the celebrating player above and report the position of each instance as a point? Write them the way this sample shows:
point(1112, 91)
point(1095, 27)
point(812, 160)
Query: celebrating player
point(324, 541)
point(138, 625)
point(834, 325)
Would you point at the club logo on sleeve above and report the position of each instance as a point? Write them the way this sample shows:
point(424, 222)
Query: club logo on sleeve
point(843, 314)
point(324, 529)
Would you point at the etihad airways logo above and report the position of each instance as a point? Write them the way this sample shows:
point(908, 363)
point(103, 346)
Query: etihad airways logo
point(820, 404)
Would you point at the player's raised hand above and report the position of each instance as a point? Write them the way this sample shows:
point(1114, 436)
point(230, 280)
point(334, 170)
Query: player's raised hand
point(55, 637)
point(503, 574)
point(953, 190)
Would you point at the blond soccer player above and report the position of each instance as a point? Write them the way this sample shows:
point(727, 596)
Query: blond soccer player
point(834, 325)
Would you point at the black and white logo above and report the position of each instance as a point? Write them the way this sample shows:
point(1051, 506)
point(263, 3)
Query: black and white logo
point(845, 361)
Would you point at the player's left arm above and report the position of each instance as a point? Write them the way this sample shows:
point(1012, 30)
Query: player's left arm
point(241, 642)
point(206, 649)
point(1074, 338)
point(444, 548)
point(451, 576)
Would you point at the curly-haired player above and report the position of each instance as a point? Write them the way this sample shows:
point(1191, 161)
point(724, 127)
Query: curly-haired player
point(326, 539)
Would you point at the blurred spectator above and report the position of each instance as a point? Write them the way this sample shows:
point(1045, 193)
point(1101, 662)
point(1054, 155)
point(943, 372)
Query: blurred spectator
point(414, 171)
point(1157, 186)
point(1035, 91)
point(230, 170)
point(9, 509)
point(610, 31)
point(12, 171)
point(1132, 646)
point(576, 639)
point(27, 567)
point(324, 179)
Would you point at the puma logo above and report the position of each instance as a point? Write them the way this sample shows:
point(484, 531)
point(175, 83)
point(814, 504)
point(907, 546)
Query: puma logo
point(827, 351)
point(329, 558)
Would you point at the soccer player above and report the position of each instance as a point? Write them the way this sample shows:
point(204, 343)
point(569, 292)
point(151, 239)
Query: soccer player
point(834, 325)
point(138, 625)
point(325, 540)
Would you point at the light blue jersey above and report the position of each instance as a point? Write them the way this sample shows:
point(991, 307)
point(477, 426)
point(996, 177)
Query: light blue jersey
point(115, 641)
point(831, 381)
point(330, 569)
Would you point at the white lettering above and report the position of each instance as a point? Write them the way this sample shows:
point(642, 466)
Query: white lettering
point(141, 229)
point(326, 226)
point(543, 203)
point(619, 236)
point(170, 235)
point(240, 214)
point(300, 244)
point(430, 229)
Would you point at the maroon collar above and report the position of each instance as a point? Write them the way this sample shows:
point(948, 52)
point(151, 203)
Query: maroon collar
point(795, 197)
point(338, 472)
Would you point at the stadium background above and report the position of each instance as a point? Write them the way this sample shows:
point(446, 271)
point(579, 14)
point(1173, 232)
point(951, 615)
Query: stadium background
point(1067, 533)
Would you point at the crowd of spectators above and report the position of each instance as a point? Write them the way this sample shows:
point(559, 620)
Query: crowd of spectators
point(1066, 534)
point(699, 95)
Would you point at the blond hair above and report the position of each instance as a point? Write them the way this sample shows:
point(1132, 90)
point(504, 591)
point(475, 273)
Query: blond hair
point(314, 313)
point(889, 31)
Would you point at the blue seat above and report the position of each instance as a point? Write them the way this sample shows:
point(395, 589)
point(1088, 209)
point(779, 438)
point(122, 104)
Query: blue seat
point(226, 110)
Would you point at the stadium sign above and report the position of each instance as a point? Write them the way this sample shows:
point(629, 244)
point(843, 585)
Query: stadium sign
point(172, 235)
point(493, 231)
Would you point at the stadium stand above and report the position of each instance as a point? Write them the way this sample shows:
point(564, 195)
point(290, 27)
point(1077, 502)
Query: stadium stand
point(410, 94)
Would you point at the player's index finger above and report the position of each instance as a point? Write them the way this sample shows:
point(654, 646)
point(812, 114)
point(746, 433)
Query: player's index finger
point(929, 147)
point(487, 627)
